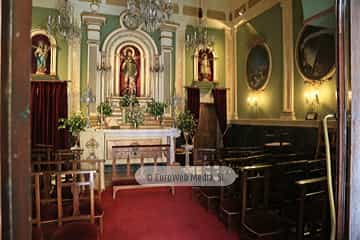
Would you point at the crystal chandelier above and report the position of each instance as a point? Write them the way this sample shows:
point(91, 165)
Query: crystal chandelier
point(151, 13)
point(199, 38)
point(63, 24)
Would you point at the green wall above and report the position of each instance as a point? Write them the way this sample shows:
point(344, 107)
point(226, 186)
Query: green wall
point(219, 36)
point(327, 91)
point(268, 26)
point(39, 20)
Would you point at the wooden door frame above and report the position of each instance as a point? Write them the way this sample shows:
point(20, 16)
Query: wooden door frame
point(354, 168)
point(15, 119)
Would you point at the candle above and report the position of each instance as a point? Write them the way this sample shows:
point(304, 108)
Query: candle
point(49, 20)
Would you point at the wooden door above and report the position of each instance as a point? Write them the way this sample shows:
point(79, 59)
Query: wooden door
point(15, 17)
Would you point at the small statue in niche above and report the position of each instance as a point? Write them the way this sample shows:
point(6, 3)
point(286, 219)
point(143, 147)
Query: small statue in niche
point(41, 54)
point(205, 67)
point(130, 70)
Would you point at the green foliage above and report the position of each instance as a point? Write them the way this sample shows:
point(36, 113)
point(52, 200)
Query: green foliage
point(106, 109)
point(129, 100)
point(135, 116)
point(75, 124)
point(156, 109)
point(186, 123)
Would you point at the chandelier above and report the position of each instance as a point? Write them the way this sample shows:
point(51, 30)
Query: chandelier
point(63, 24)
point(199, 38)
point(151, 13)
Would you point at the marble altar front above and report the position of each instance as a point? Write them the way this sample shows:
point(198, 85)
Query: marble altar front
point(98, 143)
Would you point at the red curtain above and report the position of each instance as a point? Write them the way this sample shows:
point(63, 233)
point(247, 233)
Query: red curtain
point(193, 101)
point(48, 105)
point(220, 105)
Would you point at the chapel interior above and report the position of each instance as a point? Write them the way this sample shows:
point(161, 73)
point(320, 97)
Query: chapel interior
point(123, 87)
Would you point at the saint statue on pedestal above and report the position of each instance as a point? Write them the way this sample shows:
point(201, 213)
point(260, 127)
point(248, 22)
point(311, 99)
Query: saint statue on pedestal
point(205, 68)
point(41, 54)
point(130, 70)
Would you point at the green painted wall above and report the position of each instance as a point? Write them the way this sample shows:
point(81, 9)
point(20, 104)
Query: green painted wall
point(219, 37)
point(269, 26)
point(39, 20)
point(327, 91)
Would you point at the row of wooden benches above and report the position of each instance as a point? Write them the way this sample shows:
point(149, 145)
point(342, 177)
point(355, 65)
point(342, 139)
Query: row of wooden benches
point(279, 196)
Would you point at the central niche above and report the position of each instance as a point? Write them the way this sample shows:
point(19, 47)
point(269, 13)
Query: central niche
point(130, 70)
point(131, 55)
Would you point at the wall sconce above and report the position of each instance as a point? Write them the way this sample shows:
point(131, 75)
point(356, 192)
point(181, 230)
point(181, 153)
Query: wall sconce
point(253, 101)
point(312, 97)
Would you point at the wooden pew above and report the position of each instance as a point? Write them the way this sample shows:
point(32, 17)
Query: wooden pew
point(156, 153)
point(68, 211)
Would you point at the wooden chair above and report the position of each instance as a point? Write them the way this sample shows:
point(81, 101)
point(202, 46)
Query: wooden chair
point(309, 216)
point(205, 156)
point(46, 194)
point(258, 220)
point(230, 196)
point(157, 154)
point(81, 211)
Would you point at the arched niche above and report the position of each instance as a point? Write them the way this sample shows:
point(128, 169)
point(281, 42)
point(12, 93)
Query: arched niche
point(111, 48)
point(41, 33)
point(197, 62)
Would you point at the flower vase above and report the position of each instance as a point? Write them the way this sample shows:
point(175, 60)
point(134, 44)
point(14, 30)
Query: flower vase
point(76, 141)
point(186, 137)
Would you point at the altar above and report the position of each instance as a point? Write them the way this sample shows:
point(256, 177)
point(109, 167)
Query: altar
point(98, 143)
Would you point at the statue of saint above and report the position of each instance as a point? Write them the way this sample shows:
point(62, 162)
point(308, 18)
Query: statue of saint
point(205, 67)
point(41, 54)
point(130, 71)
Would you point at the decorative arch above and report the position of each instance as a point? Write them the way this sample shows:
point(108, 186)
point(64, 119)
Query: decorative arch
point(38, 33)
point(111, 48)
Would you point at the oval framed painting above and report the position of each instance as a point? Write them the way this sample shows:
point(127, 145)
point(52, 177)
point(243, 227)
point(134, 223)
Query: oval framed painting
point(258, 67)
point(315, 54)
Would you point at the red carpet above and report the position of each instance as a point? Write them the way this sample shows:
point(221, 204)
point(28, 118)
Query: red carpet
point(153, 214)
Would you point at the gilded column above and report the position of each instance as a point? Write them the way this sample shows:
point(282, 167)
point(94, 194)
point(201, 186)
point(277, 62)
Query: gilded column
point(180, 61)
point(288, 60)
point(230, 73)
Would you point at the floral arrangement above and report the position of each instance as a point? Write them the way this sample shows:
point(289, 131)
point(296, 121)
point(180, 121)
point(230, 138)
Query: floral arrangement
point(186, 123)
point(156, 109)
point(135, 116)
point(75, 124)
point(129, 100)
point(105, 109)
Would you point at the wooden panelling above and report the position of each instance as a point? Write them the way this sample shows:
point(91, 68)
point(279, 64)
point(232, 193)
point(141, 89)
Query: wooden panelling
point(219, 15)
point(117, 2)
point(252, 3)
point(191, 11)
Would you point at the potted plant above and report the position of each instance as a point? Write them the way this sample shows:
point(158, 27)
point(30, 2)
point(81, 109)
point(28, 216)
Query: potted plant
point(75, 124)
point(186, 123)
point(127, 101)
point(104, 110)
point(156, 109)
point(135, 116)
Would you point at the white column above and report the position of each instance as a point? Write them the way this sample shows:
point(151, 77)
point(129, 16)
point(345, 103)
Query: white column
point(288, 60)
point(180, 61)
point(167, 54)
point(94, 23)
point(235, 77)
point(74, 76)
point(229, 73)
